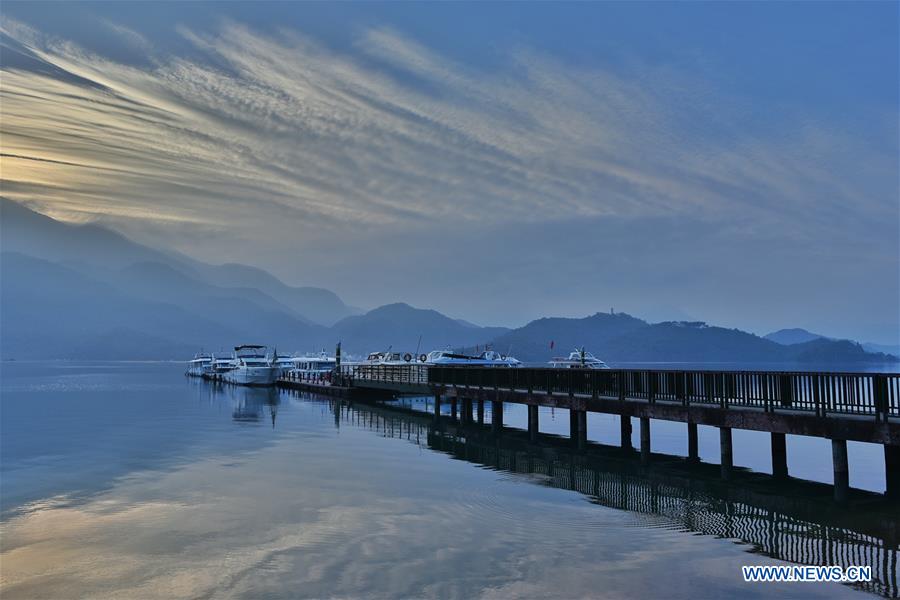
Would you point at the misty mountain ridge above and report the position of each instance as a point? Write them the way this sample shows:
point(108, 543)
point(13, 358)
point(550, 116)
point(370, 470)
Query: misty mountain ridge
point(94, 249)
point(401, 325)
point(794, 335)
point(798, 335)
point(86, 292)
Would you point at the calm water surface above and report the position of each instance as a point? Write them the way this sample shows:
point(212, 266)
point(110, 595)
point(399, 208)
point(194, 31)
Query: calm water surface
point(130, 480)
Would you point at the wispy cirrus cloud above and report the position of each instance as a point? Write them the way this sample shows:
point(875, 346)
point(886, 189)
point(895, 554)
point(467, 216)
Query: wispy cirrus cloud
point(391, 134)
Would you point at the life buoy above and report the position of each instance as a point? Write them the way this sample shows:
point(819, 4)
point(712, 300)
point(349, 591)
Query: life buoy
point(407, 357)
point(502, 357)
point(423, 357)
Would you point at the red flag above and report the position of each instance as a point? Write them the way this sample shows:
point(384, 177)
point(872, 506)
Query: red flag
point(551, 344)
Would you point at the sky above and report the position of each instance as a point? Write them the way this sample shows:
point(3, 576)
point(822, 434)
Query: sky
point(729, 162)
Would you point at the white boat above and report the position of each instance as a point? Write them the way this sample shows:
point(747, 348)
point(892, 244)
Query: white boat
point(219, 365)
point(488, 358)
point(578, 359)
point(389, 358)
point(285, 364)
point(252, 365)
point(199, 365)
point(317, 367)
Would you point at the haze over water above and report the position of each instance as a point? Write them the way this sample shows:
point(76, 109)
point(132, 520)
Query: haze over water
point(130, 480)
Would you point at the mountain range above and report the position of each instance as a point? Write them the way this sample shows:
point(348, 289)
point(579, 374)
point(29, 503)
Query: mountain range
point(797, 335)
point(87, 292)
point(622, 338)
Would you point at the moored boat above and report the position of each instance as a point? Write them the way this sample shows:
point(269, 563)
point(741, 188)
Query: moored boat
point(199, 365)
point(312, 367)
point(488, 358)
point(389, 357)
point(578, 359)
point(253, 365)
point(220, 364)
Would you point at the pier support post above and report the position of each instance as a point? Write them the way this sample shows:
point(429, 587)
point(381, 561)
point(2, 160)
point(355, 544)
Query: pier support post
point(892, 471)
point(581, 422)
point(841, 470)
point(467, 411)
point(533, 424)
point(578, 428)
point(779, 456)
point(693, 448)
point(453, 402)
point(496, 415)
point(625, 428)
point(437, 407)
point(645, 440)
point(727, 456)
point(481, 412)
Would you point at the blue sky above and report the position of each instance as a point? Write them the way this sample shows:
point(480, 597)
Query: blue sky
point(736, 162)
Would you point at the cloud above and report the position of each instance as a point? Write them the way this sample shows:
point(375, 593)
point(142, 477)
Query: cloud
point(391, 134)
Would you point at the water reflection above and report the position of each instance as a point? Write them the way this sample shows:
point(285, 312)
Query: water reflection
point(250, 403)
point(795, 522)
point(135, 482)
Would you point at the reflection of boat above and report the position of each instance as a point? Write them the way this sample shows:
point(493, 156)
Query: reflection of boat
point(488, 358)
point(249, 404)
point(253, 365)
point(199, 365)
point(579, 359)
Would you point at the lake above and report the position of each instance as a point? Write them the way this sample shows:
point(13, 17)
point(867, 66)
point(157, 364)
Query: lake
point(132, 480)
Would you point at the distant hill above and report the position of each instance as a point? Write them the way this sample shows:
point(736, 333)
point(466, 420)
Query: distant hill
point(317, 304)
point(789, 337)
point(792, 336)
point(623, 338)
point(83, 291)
point(400, 325)
point(50, 310)
point(53, 311)
point(27, 232)
point(596, 332)
point(102, 253)
point(892, 349)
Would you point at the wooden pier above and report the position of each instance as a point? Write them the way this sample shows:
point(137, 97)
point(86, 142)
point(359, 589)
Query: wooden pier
point(317, 385)
point(840, 407)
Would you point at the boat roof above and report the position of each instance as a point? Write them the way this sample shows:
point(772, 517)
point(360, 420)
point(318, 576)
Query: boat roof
point(248, 347)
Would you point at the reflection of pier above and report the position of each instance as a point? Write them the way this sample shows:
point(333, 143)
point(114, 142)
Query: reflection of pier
point(794, 521)
point(840, 407)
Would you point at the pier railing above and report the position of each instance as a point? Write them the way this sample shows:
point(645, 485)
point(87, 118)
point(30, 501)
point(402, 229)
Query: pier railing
point(865, 394)
point(869, 394)
point(411, 374)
